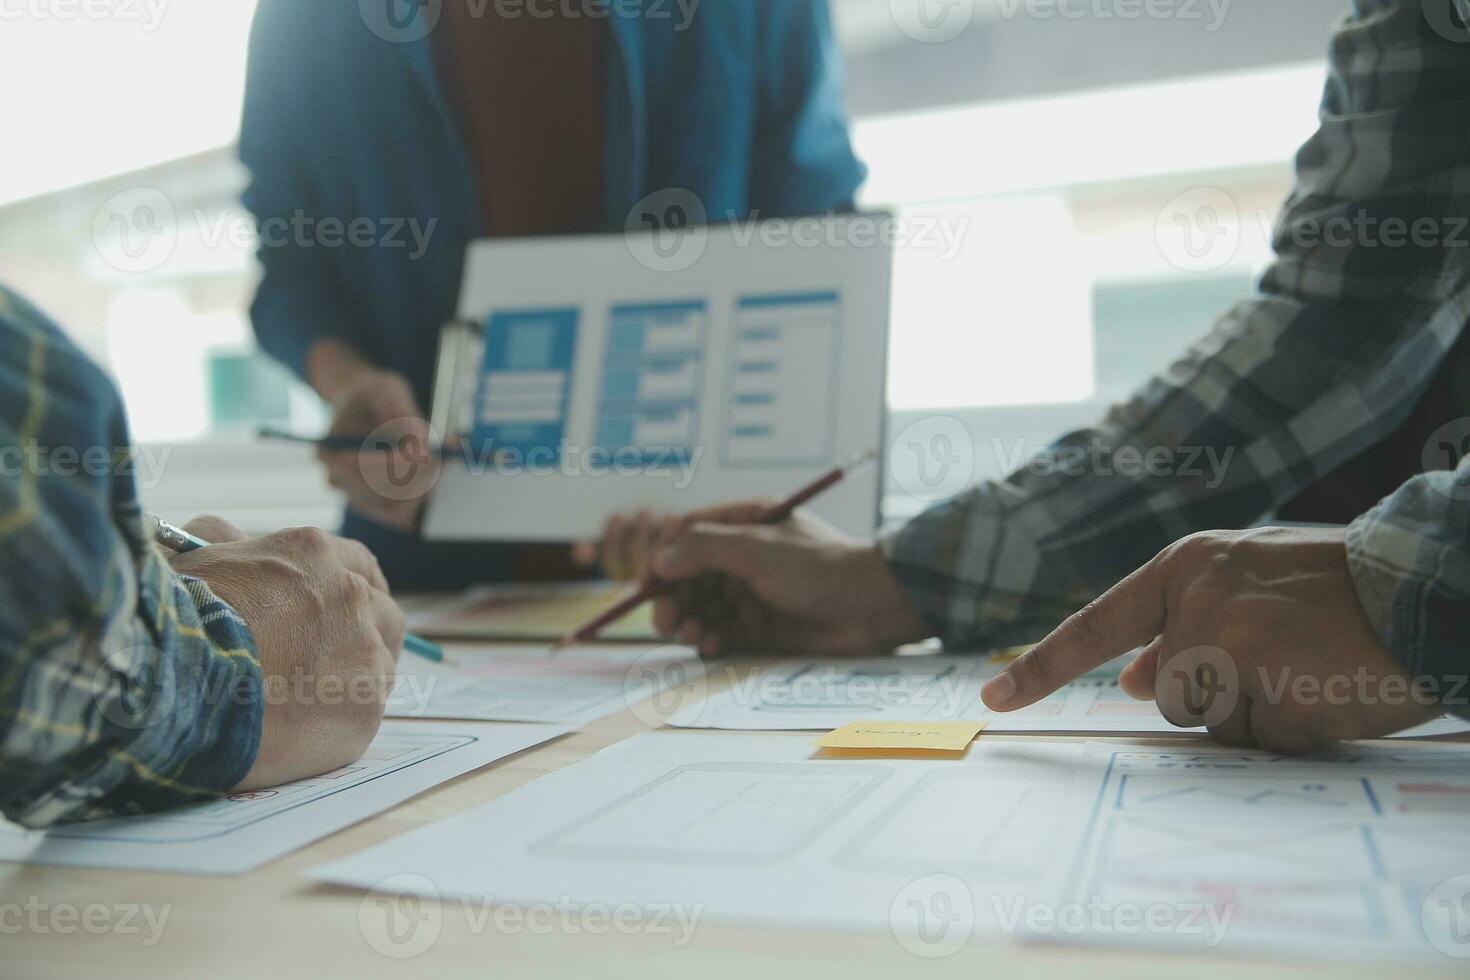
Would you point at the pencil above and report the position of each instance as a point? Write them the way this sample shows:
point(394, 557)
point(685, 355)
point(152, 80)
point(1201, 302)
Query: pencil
point(654, 589)
point(343, 444)
point(179, 541)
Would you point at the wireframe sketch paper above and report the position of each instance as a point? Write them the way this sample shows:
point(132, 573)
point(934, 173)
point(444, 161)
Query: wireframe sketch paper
point(1359, 853)
point(746, 371)
point(246, 830)
point(817, 695)
point(755, 830)
point(528, 683)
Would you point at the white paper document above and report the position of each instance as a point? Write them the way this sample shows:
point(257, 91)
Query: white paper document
point(574, 687)
point(1364, 852)
point(819, 695)
point(758, 830)
point(747, 369)
point(243, 831)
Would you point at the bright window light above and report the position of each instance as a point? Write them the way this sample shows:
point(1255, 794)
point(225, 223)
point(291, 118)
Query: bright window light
point(1006, 319)
point(1218, 123)
point(1001, 318)
point(92, 98)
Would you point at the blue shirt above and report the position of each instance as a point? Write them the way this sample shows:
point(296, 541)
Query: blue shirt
point(346, 119)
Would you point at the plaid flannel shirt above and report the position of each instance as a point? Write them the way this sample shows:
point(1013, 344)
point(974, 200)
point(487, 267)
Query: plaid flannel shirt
point(1326, 360)
point(124, 688)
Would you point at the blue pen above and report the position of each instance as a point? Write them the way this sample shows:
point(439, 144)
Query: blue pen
point(176, 539)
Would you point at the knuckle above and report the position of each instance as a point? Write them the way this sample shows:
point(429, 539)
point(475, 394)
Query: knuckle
point(362, 554)
point(1198, 548)
point(356, 590)
point(1233, 558)
point(307, 541)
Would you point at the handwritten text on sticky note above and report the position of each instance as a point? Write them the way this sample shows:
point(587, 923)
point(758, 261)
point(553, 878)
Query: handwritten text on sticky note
point(927, 736)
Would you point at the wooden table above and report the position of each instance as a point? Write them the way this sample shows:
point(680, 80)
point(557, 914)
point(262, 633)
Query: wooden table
point(273, 923)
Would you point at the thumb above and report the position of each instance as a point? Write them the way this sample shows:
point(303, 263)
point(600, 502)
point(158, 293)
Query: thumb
point(215, 530)
point(742, 552)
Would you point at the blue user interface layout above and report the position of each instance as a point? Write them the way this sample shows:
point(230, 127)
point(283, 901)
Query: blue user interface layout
point(527, 382)
point(649, 383)
point(652, 380)
point(781, 401)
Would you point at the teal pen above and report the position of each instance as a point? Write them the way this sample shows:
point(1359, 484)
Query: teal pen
point(177, 540)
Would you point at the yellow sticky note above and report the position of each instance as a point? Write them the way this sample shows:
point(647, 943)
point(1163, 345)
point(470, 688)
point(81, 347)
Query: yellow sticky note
point(925, 736)
point(1009, 654)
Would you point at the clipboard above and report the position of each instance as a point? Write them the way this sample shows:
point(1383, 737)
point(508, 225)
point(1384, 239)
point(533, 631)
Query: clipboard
point(456, 379)
point(750, 369)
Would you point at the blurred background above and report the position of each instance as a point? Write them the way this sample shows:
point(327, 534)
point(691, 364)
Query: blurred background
point(1097, 188)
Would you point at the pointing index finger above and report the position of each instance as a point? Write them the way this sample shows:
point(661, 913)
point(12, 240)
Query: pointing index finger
point(1127, 616)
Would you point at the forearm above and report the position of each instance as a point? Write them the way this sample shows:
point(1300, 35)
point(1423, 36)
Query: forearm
point(300, 302)
point(1332, 354)
point(178, 688)
point(122, 687)
point(1251, 417)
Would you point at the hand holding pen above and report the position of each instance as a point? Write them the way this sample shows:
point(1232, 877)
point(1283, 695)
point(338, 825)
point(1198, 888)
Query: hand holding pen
point(798, 587)
point(751, 514)
point(182, 542)
point(324, 640)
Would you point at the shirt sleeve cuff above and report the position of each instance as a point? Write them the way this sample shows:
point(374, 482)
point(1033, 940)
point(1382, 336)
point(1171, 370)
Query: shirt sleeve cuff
point(1404, 572)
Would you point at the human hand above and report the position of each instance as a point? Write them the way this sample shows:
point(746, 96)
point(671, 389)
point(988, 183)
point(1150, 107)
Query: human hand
point(628, 545)
point(327, 634)
point(389, 478)
point(1257, 635)
point(795, 587)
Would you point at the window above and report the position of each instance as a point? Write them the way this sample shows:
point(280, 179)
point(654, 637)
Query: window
point(1043, 273)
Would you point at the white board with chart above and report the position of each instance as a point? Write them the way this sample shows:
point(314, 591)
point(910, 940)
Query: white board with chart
point(611, 379)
